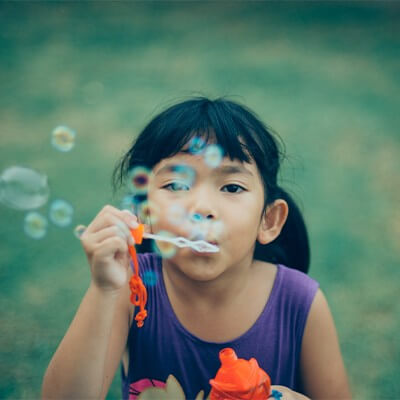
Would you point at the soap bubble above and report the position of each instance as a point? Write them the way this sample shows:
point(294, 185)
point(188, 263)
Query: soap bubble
point(164, 249)
point(185, 174)
point(147, 212)
point(35, 225)
point(213, 155)
point(196, 145)
point(176, 214)
point(138, 180)
point(150, 278)
point(63, 138)
point(79, 230)
point(61, 213)
point(23, 188)
point(216, 229)
point(128, 203)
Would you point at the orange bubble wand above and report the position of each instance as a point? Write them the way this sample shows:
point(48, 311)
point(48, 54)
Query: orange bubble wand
point(138, 290)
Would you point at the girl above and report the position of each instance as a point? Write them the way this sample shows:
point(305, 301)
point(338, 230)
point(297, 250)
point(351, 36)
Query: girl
point(241, 297)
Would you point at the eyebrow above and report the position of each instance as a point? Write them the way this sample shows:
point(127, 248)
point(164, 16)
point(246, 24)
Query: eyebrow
point(233, 169)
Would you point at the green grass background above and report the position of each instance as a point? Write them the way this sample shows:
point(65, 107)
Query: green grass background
point(324, 75)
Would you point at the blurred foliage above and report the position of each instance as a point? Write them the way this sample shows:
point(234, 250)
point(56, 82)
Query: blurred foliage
point(323, 75)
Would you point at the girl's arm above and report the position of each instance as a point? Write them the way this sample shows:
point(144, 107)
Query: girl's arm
point(322, 369)
point(87, 358)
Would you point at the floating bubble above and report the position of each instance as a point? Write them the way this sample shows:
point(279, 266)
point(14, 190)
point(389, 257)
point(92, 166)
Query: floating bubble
point(138, 180)
point(150, 278)
point(23, 188)
point(164, 249)
point(196, 145)
point(213, 155)
point(185, 174)
point(148, 212)
point(176, 214)
point(128, 203)
point(79, 230)
point(61, 213)
point(35, 225)
point(216, 229)
point(63, 138)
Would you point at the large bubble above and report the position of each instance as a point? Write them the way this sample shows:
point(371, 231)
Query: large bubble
point(35, 225)
point(63, 138)
point(23, 188)
point(61, 213)
point(138, 180)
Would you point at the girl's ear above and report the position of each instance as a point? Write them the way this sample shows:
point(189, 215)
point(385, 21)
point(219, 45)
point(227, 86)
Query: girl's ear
point(272, 221)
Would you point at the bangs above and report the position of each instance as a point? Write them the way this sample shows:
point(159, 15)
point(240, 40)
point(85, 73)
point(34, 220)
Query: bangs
point(234, 128)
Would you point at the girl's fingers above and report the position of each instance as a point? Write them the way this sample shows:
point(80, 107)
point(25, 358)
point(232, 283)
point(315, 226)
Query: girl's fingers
point(109, 215)
point(114, 230)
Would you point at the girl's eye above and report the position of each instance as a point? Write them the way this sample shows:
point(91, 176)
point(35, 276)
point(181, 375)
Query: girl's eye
point(176, 186)
point(232, 188)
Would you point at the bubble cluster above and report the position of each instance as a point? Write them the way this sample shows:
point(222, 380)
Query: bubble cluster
point(61, 213)
point(138, 180)
point(23, 188)
point(213, 155)
point(150, 278)
point(63, 138)
point(164, 249)
point(35, 225)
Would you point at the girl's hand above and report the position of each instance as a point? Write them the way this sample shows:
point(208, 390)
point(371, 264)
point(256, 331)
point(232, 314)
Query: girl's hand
point(288, 394)
point(105, 242)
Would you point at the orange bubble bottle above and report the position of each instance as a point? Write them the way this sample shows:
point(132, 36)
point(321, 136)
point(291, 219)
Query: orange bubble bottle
point(239, 379)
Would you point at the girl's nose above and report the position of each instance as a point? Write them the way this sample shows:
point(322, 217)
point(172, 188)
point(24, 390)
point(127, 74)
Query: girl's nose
point(202, 206)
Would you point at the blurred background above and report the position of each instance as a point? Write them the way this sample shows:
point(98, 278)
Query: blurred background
point(325, 76)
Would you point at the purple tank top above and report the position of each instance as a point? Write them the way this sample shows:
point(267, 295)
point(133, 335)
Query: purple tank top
point(163, 347)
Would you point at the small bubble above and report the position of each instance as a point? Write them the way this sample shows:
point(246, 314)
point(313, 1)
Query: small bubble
point(139, 180)
point(35, 225)
point(196, 145)
point(185, 174)
point(79, 230)
point(150, 278)
point(61, 213)
point(213, 155)
point(23, 188)
point(176, 214)
point(147, 212)
point(216, 229)
point(164, 249)
point(63, 138)
point(128, 203)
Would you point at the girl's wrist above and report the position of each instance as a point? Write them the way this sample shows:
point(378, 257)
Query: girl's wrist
point(104, 292)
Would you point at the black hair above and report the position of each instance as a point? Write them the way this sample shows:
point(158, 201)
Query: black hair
point(243, 137)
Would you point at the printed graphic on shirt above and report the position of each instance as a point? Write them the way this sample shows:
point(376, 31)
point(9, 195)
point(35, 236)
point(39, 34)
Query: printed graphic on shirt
point(152, 389)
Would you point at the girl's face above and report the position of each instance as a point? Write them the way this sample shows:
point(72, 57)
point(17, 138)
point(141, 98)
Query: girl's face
point(221, 204)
